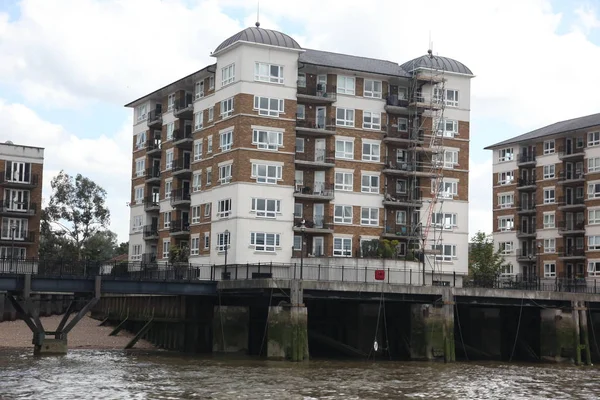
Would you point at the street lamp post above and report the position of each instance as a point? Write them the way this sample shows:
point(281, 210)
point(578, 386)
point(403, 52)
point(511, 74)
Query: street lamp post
point(226, 239)
point(303, 229)
point(539, 267)
point(13, 228)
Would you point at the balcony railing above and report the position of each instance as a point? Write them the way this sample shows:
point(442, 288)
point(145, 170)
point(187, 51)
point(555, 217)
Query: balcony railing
point(563, 152)
point(154, 144)
point(151, 202)
point(530, 230)
point(392, 133)
point(181, 165)
point(180, 195)
point(319, 93)
point(155, 117)
point(321, 157)
point(570, 252)
point(183, 135)
point(527, 207)
point(526, 182)
point(525, 159)
point(571, 226)
point(28, 181)
point(394, 101)
point(179, 226)
point(321, 124)
point(402, 230)
point(577, 201)
point(148, 258)
point(319, 190)
point(400, 199)
point(8, 206)
point(153, 173)
point(150, 231)
point(184, 105)
point(317, 222)
point(573, 176)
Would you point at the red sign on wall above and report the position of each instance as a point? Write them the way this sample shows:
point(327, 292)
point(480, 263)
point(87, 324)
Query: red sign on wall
point(380, 275)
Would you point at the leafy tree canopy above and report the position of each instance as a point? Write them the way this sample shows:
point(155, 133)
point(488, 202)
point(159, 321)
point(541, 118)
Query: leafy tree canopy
point(485, 263)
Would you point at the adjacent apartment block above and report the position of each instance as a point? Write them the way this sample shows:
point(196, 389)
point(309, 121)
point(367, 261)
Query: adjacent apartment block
point(274, 143)
point(21, 169)
point(546, 194)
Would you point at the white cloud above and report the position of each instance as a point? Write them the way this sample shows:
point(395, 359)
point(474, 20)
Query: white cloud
point(587, 18)
point(105, 160)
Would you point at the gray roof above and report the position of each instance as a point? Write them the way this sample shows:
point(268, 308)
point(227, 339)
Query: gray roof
point(354, 63)
point(569, 125)
point(262, 36)
point(436, 62)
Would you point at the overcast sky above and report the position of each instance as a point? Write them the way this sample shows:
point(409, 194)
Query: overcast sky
point(68, 66)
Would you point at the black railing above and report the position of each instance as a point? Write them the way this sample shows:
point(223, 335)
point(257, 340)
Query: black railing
point(321, 123)
point(183, 103)
point(525, 158)
point(11, 206)
point(314, 222)
point(183, 134)
point(527, 207)
point(319, 189)
point(151, 201)
point(563, 151)
point(571, 176)
point(562, 201)
point(179, 226)
point(181, 164)
point(326, 156)
point(530, 230)
point(154, 143)
point(325, 91)
point(571, 252)
point(526, 182)
point(31, 180)
point(154, 117)
point(571, 226)
point(180, 194)
point(393, 132)
point(394, 101)
point(417, 196)
point(152, 172)
point(402, 230)
point(150, 230)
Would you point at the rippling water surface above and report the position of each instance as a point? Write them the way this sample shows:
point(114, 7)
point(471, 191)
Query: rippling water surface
point(88, 374)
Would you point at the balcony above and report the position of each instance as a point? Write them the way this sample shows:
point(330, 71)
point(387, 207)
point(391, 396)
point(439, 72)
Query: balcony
point(319, 159)
point(526, 184)
point(320, 126)
point(570, 153)
point(571, 178)
point(28, 182)
point(403, 200)
point(153, 175)
point(526, 209)
point(155, 117)
point(320, 191)
point(179, 228)
point(183, 137)
point(424, 102)
point(151, 203)
point(401, 231)
point(183, 107)
point(393, 167)
point(148, 258)
point(317, 94)
point(571, 253)
point(11, 208)
point(316, 224)
point(571, 228)
point(429, 76)
point(151, 232)
point(524, 256)
point(393, 135)
point(180, 197)
point(154, 145)
point(396, 105)
point(526, 232)
point(570, 204)
point(19, 239)
point(525, 160)
point(181, 166)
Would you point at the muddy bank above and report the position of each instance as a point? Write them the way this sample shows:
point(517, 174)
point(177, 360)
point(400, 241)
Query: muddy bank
point(85, 335)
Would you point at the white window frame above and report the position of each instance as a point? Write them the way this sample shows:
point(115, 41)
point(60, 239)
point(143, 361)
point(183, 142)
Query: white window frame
point(228, 75)
point(209, 144)
point(137, 224)
point(369, 216)
point(346, 85)
point(139, 195)
point(374, 150)
point(549, 270)
point(198, 150)
point(549, 220)
point(265, 242)
point(373, 92)
point(593, 216)
point(198, 121)
point(195, 246)
point(170, 102)
point(199, 89)
point(261, 75)
point(372, 120)
point(346, 153)
point(506, 200)
point(549, 195)
point(370, 188)
point(166, 248)
point(208, 176)
point(447, 128)
point(594, 242)
point(593, 190)
point(170, 130)
point(206, 240)
point(506, 248)
point(447, 189)
point(550, 245)
point(140, 140)
point(225, 174)
point(142, 112)
point(507, 154)
point(346, 118)
point(402, 124)
point(227, 107)
point(226, 140)
point(268, 177)
point(273, 107)
point(223, 241)
point(167, 220)
point(140, 167)
point(506, 223)
point(593, 139)
point(196, 214)
point(506, 178)
point(549, 171)
point(301, 111)
point(342, 246)
point(169, 159)
point(342, 214)
point(267, 140)
point(211, 113)
point(211, 82)
point(444, 249)
point(594, 164)
point(168, 189)
point(224, 208)
point(345, 178)
point(265, 208)
point(444, 221)
point(549, 147)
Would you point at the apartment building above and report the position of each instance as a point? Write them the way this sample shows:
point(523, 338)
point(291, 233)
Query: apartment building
point(21, 169)
point(274, 143)
point(546, 194)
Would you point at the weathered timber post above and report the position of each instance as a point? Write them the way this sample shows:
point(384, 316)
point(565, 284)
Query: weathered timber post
point(584, 333)
point(448, 315)
point(576, 332)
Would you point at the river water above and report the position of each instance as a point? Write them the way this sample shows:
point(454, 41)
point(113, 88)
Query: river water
point(95, 374)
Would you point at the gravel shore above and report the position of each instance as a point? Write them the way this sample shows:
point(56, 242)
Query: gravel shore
point(85, 335)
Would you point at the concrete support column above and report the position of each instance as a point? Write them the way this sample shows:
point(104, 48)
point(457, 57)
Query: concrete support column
point(49, 347)
point(230, 329)
point(557, 335)
point(287, 333)
point(432, 330)
point(583, 338)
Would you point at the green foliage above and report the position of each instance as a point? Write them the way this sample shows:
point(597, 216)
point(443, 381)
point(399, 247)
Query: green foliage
point(485, 264)
point(178, 254)
point(380, 248)
point(122, 248)
point(78, 206)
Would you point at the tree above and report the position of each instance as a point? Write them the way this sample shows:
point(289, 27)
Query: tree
point(101, 246)
point(122, 248)
point(78, 207)
point(485, 264)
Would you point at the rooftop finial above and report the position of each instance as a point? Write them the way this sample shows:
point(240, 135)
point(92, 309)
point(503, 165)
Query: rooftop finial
point(257, 14)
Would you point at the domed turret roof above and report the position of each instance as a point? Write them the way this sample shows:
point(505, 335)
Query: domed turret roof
point(436, 62)
point(262, 36)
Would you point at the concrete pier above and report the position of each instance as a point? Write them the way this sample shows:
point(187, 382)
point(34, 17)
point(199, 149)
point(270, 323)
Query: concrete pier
point(287, 337)
point(230, 329)
point(558, 335)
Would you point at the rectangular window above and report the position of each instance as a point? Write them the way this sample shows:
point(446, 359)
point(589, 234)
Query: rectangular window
point(297, 242)
point(402, 125)
point(265, 173)
point(170, 102)
point(166, 247)
point(401, 186)
point(224, 208)
point(449, 96)
point(593, 139)
point(549, 270)
point(225, 174)
point(448, 159)
point(140, 142)
point(264, 72)
point(199, 120)
point(299, 145)
point(371, 120)
point(227, 107)
point(372, 89)
point(549, 147)
point(342, 214)
point(226, 140)
point(506, 248)
point(139, 195)
point(549, 195)
point(370, 151)
point(549, 245)
point(195, 246)
point(447, 128)
point(18, 200)
point(444, 252)
point(227, 74)
point(140, 167)
point(549, 171)
point(198, 150)
point(206, 240)
point(549, 220)
point(268, 140)
point(223, 241)
point(266, 242)
point(344, 117)
point(369, 216)
point(269, 106)
point(298, 207)
point(446, 189)
point(207, 210)
point(506, 224)
point(443, 220)
point(266, 208)
point(344, 181)
point(301, 80)
point(169, 160)
point(199, 89)
point(345, 85)
point(142, 112)
point(196, 214)
point(170, 130)
point(209, 144)
point(208, 176)
point(369, 183)
point(211, 113)
point(400, 217)
point(506, 155)
point(342, 247)
point(594, 164)
point(506, 178)
point(344, 149)
point(211, 82)
point(138, 222)
point(300, 111)
point(593, 190)
point(168, 189)
point(594, 217)
point(593, 242)
point(506, 200)
point(167, 220)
